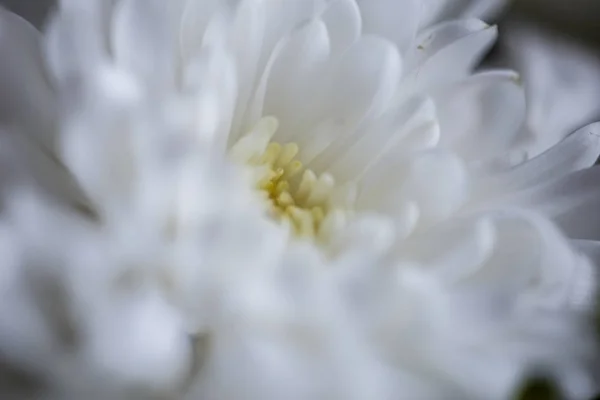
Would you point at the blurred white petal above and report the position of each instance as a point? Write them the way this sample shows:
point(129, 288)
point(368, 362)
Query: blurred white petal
point(562, 80)
point(296, 199)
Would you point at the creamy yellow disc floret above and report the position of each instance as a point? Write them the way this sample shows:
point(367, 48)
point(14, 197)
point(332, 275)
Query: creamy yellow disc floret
point(295, 195)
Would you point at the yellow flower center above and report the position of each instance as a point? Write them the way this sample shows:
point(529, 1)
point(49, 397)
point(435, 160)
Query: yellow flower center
point(310, 204)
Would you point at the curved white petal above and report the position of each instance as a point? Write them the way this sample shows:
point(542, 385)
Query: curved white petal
point(142, 341)
point(77, 39)
point(561, 79)
point(195, 18)
point(571, 200)
point(431, 40)
point(437, 182)
point(531, 256)
point(248, 35)
point(481, 116)
point(291, 91)
point(144, 41)
point(578, 151)
point(210, 79)
point(451, 62)
point(394, 134)
point(344, 24)
point(282, 17)
point(585, 278)
point(355, 87)
point(397, 21)
point(25, 163)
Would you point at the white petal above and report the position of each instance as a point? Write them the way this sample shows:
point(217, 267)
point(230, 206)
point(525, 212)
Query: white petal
point(357, 86)
point(257, 101)
point(372, 233)
point(144, 41)
point(434, 39)
point(319, 138)
point(572, 200)
point(291, 88)
point(481, 116)
point(284, 16)
point(561, 81)
point(363, 79)
point(212, 80)
point(344, 24)
point(247, 40)
point(531, 252)
point(451, 62)
point(24, 162)
point(395, 132)
point(578, 151)
point(103, 137)
point(143, 342)
point(438, 183)
point(585, 281)
point(466, 257)
point(195, 19)
point(393, 20)
point(27, 102)
point(77, 40)
point(454, 251)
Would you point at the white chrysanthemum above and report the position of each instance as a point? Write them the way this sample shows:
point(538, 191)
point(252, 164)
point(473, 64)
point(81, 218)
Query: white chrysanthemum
point(284, 199)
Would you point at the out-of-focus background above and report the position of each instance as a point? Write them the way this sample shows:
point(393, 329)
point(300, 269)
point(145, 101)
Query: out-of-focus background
point(574, 21)
point(578, 18)
point(32, 10)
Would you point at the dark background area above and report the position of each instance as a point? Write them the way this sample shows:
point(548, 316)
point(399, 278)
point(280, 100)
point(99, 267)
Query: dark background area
point(32, 10)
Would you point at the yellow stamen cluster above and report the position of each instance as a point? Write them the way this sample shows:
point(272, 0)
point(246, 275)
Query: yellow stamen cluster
point(295, 195)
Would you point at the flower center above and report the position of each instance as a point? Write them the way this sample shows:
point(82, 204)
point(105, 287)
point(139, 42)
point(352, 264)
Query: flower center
point(309, 203)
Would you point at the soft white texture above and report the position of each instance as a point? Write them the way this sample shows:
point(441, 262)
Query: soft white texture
point(562, 82)
point(448, 280)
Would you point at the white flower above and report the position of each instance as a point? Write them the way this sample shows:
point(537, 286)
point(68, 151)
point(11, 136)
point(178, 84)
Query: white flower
point(285, 199)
